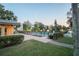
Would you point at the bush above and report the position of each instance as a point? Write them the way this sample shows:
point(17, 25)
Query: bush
point(10, 40)
point(22, 32)
point(56, 35)
point(65, 32)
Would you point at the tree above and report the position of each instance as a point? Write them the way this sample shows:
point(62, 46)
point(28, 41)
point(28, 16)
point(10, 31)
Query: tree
point(6, 14)
point(1, 10)
point(75, 27)
point(69, 17)
point(27, 26)
point(56, 28)
point(60, 27)
point(51, 28)
point(69, 21)
point(41, 26)
point(38, 27)
point(1, 7)
point(46, 27)
point(65, 29)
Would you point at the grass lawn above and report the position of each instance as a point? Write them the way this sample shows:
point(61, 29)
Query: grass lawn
point(67, 40)
point(32, 47)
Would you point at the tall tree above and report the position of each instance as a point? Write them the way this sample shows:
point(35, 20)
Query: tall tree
point(75, 27)
point(56, 29)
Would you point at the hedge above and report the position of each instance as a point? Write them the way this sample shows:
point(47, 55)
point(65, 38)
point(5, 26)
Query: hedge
point(6, 41)
point(22, 32)
point(57, 35)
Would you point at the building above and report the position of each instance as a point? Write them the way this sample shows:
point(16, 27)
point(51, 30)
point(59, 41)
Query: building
point(7, 27)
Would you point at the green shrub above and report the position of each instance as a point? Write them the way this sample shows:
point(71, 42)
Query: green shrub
point(10, 40)
point(56, 35)
point(21, 32)
point(50, 36)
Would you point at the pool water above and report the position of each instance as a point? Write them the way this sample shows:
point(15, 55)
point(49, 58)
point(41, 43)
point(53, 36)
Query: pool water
point(40, 33)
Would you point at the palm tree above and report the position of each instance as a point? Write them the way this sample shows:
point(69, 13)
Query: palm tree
point(75, 27)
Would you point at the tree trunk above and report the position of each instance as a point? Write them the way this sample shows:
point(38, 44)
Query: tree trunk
point(75, 27)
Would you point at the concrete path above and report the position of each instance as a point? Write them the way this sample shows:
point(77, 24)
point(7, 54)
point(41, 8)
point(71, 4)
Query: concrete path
point(45, 40)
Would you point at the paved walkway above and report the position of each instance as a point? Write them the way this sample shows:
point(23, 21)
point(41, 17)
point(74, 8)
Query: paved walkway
point(45, 40)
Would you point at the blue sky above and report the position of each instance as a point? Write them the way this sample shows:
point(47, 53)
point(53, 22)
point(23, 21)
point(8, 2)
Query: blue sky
point(45, 13)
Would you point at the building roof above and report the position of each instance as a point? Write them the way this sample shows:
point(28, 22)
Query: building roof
point(12, 22)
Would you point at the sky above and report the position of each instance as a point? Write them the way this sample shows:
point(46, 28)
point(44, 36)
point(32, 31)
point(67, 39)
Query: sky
point(40, 12)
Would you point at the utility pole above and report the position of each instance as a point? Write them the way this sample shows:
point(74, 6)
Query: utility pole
point(75, 27)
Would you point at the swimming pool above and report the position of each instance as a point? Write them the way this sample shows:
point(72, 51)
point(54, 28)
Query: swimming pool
point(41, 33)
